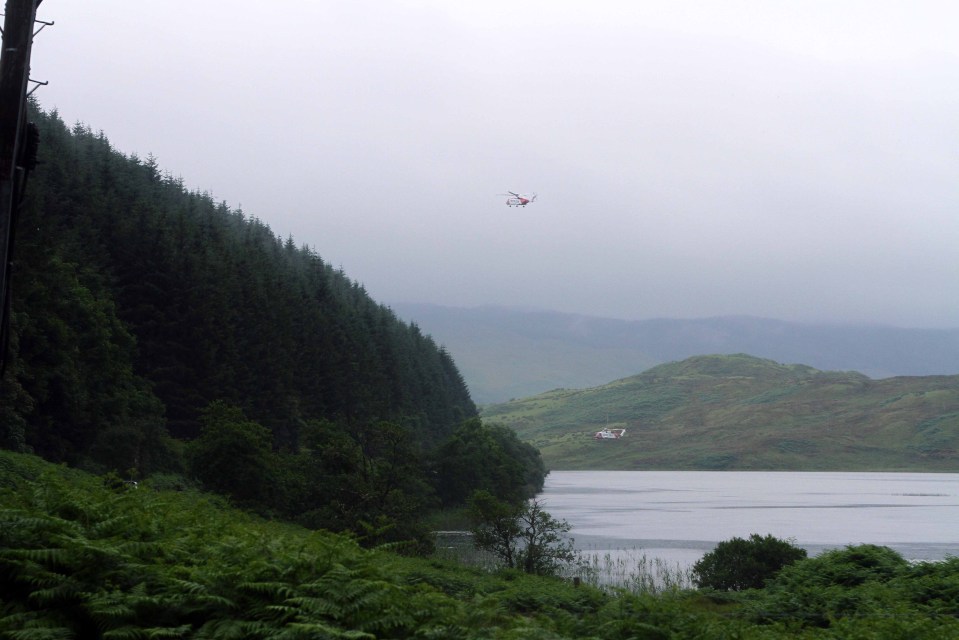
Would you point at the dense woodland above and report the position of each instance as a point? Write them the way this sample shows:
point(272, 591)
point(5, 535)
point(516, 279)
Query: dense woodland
point(155, 330)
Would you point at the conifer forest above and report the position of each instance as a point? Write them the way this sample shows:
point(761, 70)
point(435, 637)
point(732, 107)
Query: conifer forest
point(157, 331)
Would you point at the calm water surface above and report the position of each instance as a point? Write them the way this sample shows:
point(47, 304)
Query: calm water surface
point(680, 515)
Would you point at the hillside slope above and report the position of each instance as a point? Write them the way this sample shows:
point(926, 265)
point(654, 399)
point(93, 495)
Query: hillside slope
point(743, 412)
point(138, 303)
point(508, 353)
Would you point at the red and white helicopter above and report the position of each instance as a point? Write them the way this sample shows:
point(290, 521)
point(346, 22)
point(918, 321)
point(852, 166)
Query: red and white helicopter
point(518, 199)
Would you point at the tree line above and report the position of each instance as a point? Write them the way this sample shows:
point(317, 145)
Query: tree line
point(155, 330)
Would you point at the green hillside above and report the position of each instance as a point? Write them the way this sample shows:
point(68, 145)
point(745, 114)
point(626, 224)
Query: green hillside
point(742, 412)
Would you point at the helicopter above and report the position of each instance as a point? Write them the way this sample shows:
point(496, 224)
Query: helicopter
point(518, 200)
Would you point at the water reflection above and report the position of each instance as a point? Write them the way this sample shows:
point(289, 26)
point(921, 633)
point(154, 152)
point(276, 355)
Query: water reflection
point(679, 515)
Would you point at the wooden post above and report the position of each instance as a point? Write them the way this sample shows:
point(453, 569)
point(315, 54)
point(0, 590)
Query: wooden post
point(18, 21)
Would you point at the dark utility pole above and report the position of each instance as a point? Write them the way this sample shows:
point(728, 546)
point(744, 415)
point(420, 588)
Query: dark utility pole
point(18, 141)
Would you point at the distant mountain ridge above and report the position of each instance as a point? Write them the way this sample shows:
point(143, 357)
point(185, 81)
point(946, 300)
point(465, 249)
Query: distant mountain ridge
point(506, 353)
point(745, 413)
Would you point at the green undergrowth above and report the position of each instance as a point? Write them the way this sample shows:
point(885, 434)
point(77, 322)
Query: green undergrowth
point(87, 557)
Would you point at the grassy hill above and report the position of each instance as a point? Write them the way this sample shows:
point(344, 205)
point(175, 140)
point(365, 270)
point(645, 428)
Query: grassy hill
point(743, 412)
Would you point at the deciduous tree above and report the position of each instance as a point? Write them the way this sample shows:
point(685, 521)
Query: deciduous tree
point(489, 457)
point(523, 536)
point(233, 455)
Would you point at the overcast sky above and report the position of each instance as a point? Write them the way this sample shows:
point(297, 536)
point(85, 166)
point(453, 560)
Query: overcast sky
point(786, 159)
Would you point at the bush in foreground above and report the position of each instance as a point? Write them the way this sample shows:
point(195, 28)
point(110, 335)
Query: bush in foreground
point(739, 564)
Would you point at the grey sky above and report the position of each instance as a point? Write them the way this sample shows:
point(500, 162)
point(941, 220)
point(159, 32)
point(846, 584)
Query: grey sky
point(787, 159)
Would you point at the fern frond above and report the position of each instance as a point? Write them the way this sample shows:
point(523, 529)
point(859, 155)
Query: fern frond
point(109, 527)
point(40, 630)
point(44, 556)
point(57, 633)
point(274, 589)
point(159, 633)
point(188, 586)
point(282, 612)
point(141, 633)
point(64, 593)
point(12, 520)
point(222, 629)
point(126, 633)
point(444, 632)
point(310, 631)
point(108, 609)
point(220, 602)
point(18, 620)
point(318, 607)
point(141, 549)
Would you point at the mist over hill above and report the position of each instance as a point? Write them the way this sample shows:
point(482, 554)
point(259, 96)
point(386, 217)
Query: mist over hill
point(506, 353)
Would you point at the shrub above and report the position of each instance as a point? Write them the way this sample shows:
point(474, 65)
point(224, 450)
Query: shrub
point(854, 583)
point(848, 567)
point(739, 564)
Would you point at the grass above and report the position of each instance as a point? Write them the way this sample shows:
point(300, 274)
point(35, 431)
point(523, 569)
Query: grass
point(630, 570)
point(633, 571)
point(457, 546)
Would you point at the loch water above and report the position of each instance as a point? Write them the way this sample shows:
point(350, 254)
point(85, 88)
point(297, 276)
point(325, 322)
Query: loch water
point(677, 516)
